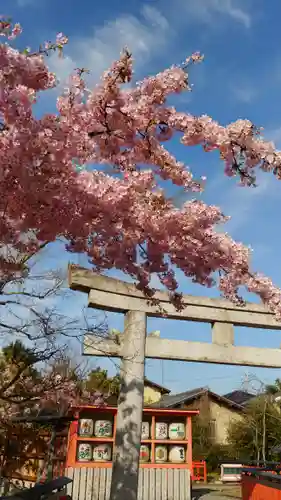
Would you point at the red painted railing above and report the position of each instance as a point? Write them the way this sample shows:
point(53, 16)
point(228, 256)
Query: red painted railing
point(199, 471)
point(263, 486)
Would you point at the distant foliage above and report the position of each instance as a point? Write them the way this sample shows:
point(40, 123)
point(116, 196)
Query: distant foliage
point(258, 433)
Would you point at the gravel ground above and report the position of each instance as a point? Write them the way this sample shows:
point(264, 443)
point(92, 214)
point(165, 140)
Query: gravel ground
point(210, 496)
point(211, 493)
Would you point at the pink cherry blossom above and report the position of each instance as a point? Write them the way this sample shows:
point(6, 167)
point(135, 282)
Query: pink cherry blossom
point(115, 211)
point(61, 39)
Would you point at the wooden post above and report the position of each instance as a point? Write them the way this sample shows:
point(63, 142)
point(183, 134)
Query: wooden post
point(189, 444)
point(205, 471)
point(124, 484)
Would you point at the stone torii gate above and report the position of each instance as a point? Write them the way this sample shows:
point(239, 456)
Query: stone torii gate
point(134, 346)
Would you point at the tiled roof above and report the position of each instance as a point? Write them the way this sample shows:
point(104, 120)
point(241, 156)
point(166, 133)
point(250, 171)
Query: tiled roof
point(239, 397)
point(175, 400)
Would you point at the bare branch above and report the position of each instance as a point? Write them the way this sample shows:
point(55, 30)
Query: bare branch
point(21, 369)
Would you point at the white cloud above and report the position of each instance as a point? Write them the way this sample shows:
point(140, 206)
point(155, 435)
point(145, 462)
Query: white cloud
point(274, 135)
point(241, 202)
point(145, 36)
point(244, 92)
point(207, 10)
point(154, 17)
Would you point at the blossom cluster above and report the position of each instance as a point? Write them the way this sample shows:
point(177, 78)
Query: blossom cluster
point(121, 219)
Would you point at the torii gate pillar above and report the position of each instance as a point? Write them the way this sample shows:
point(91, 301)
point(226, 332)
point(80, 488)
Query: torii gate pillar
point(124, 483)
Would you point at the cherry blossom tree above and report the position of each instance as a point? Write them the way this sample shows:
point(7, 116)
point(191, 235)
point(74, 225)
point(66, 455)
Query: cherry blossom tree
point(26, 389)
point(32, 397)
point(49, 381)
point(54, 184)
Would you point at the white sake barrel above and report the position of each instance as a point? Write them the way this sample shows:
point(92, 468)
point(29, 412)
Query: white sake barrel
point(177, 454)
point(161, 430)
point(103, 428)
point(102, 452)
point(177, 430)
point(84, 452)
point(86, 427)
point(145, 430)
point(144, 453)
point(161, 454)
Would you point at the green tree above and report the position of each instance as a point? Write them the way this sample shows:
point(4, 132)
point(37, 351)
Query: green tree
point(201, 437)
point(98, 381)
point(20, 375)
point(273, 388)
point(258, 432)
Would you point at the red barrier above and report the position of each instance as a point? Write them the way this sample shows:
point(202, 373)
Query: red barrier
point(199, 471)
point(254, 488)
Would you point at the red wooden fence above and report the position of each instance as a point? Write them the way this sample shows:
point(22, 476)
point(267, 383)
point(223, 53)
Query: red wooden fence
point(260, 488)
point(199, 471)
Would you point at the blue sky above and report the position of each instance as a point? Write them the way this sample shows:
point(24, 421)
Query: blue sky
point(240, 78)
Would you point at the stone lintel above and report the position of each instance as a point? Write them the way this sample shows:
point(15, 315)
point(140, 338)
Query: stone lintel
point(200, 312)
point(85, 280)
point(183, 350)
